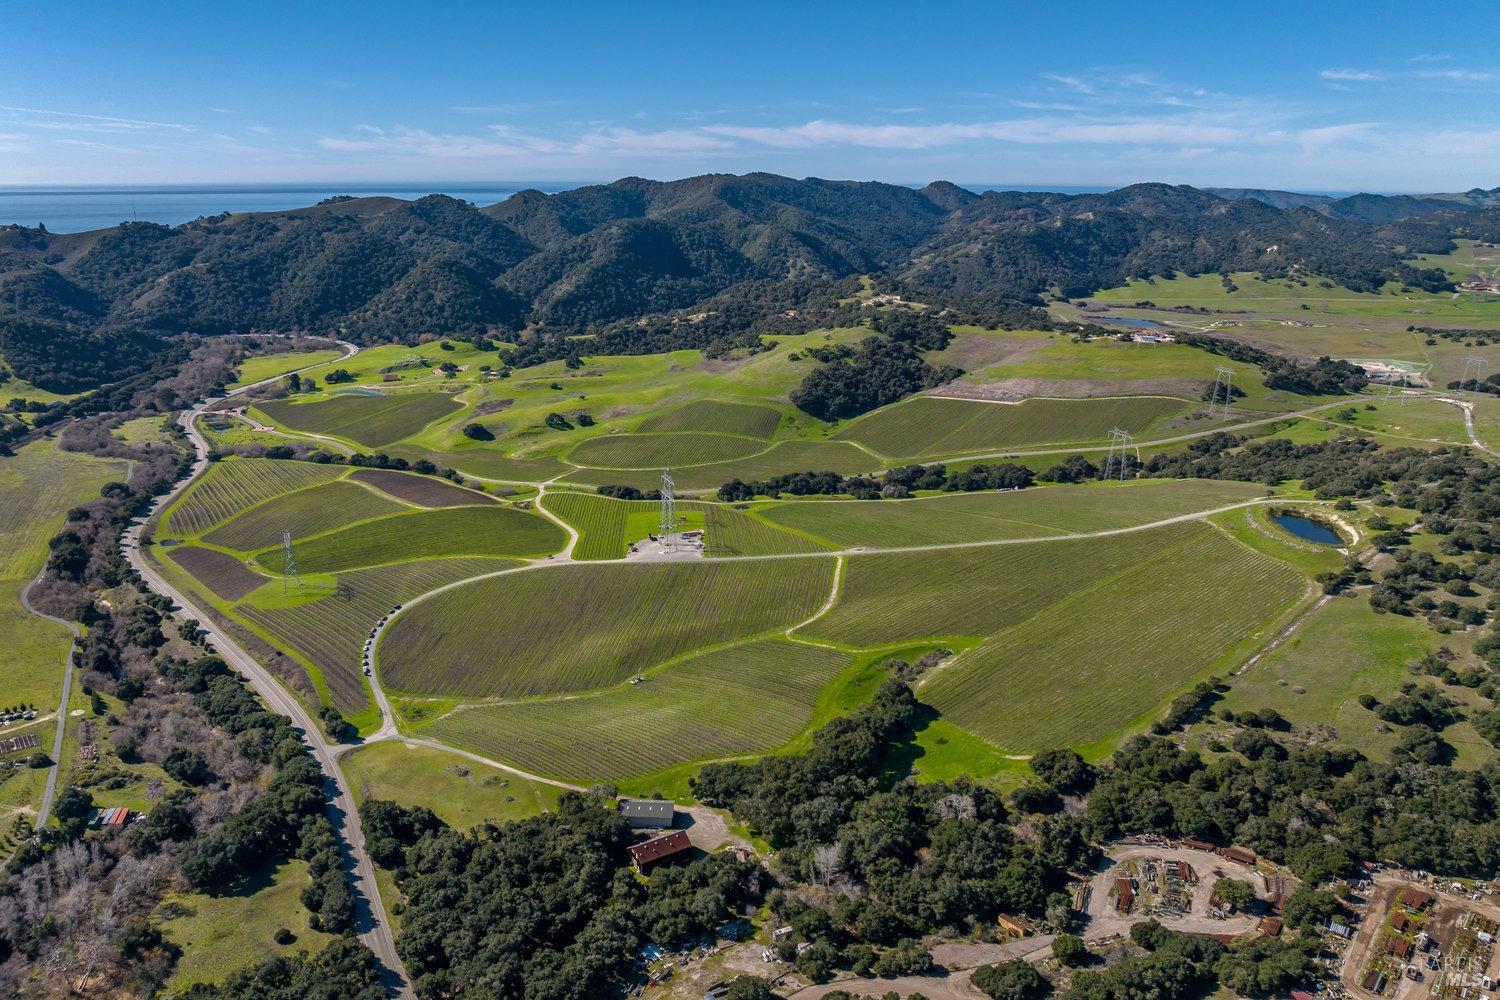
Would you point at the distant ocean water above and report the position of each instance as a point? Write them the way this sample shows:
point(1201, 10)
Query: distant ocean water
point(78, 209)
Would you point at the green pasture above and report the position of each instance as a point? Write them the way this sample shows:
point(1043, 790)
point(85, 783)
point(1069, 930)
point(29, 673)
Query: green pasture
point(264, 366)
point(220, 934)
point(1343, 650)
point(462, 792)
point(1258, 294)
point(37, 486)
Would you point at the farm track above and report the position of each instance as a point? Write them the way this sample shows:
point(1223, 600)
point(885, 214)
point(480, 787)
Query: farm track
point(388, 729)
point(369, 917)
point(49, 791)
point(1468, 411)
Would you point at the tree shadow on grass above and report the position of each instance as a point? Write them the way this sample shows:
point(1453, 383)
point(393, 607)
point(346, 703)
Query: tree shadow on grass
point(901, 757)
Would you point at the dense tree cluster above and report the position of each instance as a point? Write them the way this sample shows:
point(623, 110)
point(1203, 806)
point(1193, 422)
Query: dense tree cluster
point(1315, 809)
point(883, 370)
point(895, 484)
point(343, 970)
point(1325, 376)
point(1180, 965)
point(837, 816)
point(544, 907)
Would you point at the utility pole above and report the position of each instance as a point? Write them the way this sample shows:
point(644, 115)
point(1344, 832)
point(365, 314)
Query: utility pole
point(289, 564)
point(1223, 378)
point(1119, 452)
point(667, 531)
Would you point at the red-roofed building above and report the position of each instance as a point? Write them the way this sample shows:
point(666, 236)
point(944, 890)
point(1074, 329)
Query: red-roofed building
point(643, 856)
point(1242, 855)
point(1414, 899)
point(1124, 895)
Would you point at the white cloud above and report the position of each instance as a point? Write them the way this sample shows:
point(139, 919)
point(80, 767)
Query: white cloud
point(1351, 75)
point(1071, 82)
point(507, 141)
point(1459, 75)
point(48, 118)
point(1044, 106)
point(1027, 131)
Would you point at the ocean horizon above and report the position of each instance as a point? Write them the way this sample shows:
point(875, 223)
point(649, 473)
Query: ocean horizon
point(79, 208)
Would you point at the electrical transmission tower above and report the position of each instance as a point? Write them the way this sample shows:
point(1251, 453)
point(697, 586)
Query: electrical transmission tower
point(1472, 363)
point(1223, 378)
point(668, 530)
point(1119, 452)
point(289, 564)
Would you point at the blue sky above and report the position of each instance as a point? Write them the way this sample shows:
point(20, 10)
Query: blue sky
point(1333, 97)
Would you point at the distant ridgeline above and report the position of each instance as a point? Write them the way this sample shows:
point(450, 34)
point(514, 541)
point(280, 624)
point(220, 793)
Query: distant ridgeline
point(648, 266)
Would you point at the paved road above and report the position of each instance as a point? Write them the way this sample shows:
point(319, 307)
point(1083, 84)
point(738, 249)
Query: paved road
point(49, 792)
point(370, 922)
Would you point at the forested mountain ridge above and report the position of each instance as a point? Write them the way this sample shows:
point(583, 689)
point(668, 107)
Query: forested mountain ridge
point(381, 268)
point(1374, 207)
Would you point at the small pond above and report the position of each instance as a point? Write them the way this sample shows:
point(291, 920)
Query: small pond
point(1142, 324)
point(1307, 529)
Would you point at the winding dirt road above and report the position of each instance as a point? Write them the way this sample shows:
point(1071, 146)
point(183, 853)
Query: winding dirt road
point(49, 791)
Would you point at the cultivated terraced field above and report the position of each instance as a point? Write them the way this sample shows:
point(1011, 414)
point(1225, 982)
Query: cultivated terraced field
point(424, 491)
point(781, 457)
point(487, 463)
point(220, 572)
point(599, 521)
point(737, 700)
point(661, 451)
point(372, 420)
point(453, 531)
point(1030, 513)
point(577, 627)
point(744, 419)
point(897, 597)
point(235, 484)
point(927, 425)
point(329, 630)
point(303, 513)
point(603, 522)
point(730, 532)
point(1091, 664)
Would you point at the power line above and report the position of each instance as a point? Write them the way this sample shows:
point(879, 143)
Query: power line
point(1223, 377)
point(1119, 451)
point(289, 564)
point(1476, 364)
point(667, 531)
